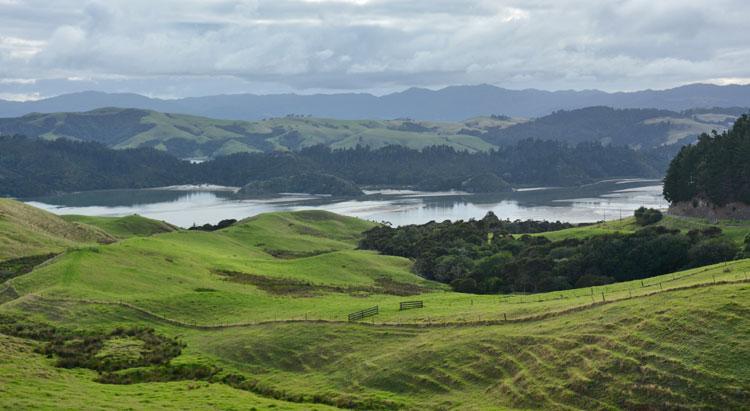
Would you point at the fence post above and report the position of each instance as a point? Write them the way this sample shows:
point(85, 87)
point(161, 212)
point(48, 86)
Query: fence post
point(505, 317)
point(660, 287)
point(603, 296)
point(630, 293)
point(641, 283)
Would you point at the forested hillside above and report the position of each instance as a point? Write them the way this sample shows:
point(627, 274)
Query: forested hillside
point(639, 128)
point(716, 169)
point(32, 167)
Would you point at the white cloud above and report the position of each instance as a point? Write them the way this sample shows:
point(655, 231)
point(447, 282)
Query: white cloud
point(333, 45)
point(17, 81)
point(20, 96)
point(729, 80)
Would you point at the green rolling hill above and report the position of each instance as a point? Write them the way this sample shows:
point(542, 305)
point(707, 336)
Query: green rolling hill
point(188, 136)
point(123, 227)
point(261, 310)
point(192, 136)
point(26, 231)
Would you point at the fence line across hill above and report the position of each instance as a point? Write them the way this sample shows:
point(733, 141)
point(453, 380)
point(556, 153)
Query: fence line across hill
point(368, 312)
point(445, 323)
point(408, 305)
point(644, 283)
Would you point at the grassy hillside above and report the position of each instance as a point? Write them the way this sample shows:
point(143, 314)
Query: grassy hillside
point(734, 230)
point(191, 136)
point(25, 230)
point(267, 299)
point(24, 374)
point(124, 227)
point(640, 128)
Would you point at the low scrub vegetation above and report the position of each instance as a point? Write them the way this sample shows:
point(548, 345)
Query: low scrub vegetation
point(299, 288)
point(96, 350)
point(19, 266)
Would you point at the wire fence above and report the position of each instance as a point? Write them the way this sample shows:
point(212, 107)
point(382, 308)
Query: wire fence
point(496, 317)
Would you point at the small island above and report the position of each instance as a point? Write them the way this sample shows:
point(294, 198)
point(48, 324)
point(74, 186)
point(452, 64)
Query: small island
point(310, 183)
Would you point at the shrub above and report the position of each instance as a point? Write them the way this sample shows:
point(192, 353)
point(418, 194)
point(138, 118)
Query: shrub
point(464, 285)
point(647, 216)
point(712, 251)
point(161, 373)
point(591, 280)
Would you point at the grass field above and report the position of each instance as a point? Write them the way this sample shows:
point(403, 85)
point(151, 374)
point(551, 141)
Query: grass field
point(735, 230)
point(268, 299)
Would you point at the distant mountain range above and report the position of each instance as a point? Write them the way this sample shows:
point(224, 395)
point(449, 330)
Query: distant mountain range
point(189, 136)
point(454, 103)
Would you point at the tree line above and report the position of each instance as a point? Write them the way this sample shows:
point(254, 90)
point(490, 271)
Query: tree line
point(716, 168)
point(489, 256)
point(34, 167)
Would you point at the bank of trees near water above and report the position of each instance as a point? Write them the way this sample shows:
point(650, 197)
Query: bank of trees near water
point(34, 167)
point(716, 168)
point(483, 256)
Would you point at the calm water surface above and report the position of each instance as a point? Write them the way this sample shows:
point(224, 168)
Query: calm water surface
point(184, 206)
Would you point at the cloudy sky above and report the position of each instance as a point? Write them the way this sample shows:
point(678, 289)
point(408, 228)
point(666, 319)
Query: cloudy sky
point(179, 48)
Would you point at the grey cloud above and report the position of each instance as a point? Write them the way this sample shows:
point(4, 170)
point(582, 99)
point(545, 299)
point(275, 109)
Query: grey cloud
point(183, 47)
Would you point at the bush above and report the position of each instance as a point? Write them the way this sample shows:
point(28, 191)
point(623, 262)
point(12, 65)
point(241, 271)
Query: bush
point(591, 280)
point(647, 216)
point(161, 373)
point(464, 285)
point(712, 251)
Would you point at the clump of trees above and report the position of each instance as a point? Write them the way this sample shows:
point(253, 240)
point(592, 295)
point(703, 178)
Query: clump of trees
point(211, 227)
point(647, 216)
point(483, 256)
point(311, 183)
point(716, 168)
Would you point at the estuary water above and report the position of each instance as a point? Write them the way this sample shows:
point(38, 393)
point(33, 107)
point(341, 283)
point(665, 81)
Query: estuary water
point(188, 205)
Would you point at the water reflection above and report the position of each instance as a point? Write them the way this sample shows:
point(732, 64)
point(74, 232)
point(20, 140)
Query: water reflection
point(186, 206)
